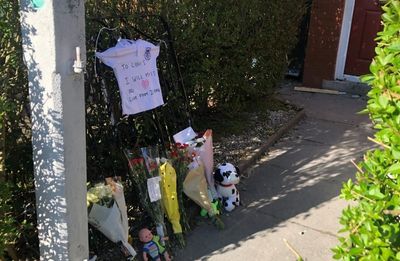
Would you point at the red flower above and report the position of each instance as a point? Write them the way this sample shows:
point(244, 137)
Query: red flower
point(152, 166)
point(174, 154)
point(137, 161)
point(182, 146)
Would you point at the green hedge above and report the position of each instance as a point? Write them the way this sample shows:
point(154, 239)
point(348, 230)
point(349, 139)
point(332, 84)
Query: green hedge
point(372, 225)
point(236, 52)
point(17, 205)
point(229, 51)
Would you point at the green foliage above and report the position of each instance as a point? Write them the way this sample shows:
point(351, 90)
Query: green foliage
point(17, 204)
point(8, 231)
point(14, 92)
point(373, 225)
point(18, 219)
point(235, 52)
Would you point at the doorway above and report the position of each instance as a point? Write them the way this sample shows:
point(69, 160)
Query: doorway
point(361, 23)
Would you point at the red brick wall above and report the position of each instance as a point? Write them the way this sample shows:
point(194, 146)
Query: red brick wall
point(323, 42)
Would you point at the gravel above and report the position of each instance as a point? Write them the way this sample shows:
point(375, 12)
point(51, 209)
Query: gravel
point(234, 148)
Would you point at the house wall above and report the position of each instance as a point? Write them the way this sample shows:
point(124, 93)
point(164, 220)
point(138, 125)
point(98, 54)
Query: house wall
point(323, 42)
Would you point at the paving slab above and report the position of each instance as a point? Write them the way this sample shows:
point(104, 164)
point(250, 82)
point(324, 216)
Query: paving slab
point(330, 133)
point(269, 245)
point(330, 107)
point(292, 192)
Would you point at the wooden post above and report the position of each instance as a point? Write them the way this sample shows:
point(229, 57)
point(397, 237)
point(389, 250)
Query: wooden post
point(51, 33)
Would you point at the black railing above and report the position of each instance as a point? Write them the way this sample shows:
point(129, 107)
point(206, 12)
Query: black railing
point(108, 131)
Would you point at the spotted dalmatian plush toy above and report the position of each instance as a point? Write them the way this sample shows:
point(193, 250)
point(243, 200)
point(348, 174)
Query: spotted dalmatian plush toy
point(226, 177)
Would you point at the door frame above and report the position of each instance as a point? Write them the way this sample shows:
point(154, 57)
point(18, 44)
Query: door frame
point(344, 43)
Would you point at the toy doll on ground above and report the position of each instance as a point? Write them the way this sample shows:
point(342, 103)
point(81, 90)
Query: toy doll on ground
point(226, 177)
point(152, 246)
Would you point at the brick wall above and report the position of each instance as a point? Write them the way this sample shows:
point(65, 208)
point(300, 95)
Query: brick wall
point(323, 42)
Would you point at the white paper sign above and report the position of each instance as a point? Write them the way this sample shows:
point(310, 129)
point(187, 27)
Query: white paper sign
point(153, 187)
point(185, 135)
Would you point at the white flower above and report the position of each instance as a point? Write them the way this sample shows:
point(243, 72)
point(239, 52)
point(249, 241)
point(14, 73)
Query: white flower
point(99, 192)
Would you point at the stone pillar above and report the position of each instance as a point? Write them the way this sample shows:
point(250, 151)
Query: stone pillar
point(50, 35)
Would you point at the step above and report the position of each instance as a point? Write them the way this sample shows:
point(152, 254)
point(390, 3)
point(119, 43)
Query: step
point(347, 86)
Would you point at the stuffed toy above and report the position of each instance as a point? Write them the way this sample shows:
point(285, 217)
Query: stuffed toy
point(226, 177)
point(152, 246)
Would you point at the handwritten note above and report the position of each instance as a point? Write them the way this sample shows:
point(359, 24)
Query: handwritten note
point(135, 66)
point(153, 188)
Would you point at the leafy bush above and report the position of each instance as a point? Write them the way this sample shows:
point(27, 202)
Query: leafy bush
point(234, 53)
point(17, 205)
point(373, 226)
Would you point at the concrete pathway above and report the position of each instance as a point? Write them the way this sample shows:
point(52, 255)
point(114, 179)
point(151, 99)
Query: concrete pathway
point(292, 193)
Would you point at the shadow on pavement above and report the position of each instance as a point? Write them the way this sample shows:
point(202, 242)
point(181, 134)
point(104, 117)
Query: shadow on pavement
point(304, 171)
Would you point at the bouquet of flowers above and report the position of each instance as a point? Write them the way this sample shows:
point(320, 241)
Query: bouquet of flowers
point(145, 177)
point(198, 183)
point(195, 187)
point(107, 213)
point(100, 194)
point(202, 145)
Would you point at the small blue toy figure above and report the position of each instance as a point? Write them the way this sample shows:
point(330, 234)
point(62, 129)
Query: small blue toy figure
point(152, 246)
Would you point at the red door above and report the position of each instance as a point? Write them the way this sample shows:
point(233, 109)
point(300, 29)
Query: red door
point(365, 25)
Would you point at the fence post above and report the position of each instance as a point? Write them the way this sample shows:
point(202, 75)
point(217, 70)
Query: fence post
point(51, 30)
